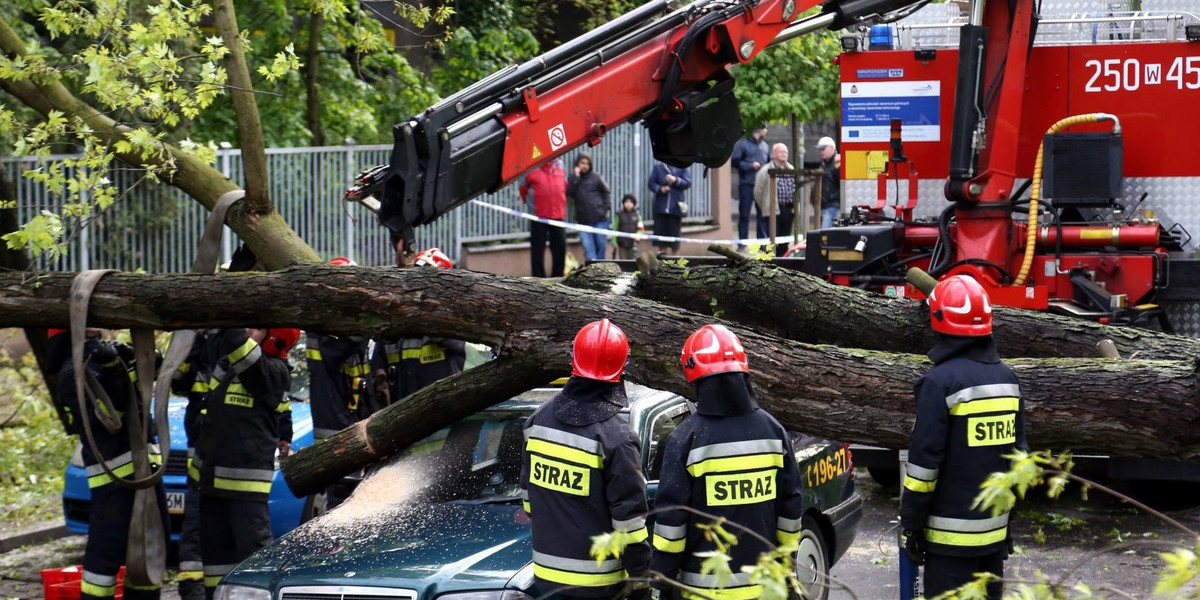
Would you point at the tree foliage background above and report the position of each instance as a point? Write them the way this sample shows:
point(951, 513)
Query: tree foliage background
point(157, 69)
point(797, 78)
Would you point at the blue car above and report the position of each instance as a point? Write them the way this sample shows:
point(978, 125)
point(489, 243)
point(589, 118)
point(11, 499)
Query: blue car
point(443, 521)
point(287, 511)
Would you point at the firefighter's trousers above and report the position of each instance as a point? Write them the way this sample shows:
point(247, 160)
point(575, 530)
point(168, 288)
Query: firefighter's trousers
point(233, 529)
point(944, 573)
point(108, 534)
point(191, 561)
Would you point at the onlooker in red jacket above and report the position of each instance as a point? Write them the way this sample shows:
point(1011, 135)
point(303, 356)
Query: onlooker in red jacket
point(548, 186)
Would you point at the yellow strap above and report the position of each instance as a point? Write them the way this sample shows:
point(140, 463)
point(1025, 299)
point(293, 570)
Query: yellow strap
point(124, 470)
point(528, 509)
point(579, 579)
point(568, 453)
point(673, 546)
point(736, 463)
point(639, 536)
point(976, 407)
point(242, 351)
point(312, 354)
point(101, 591)
point(747, 592)
point(921, 487)
point(241, 485)
point(966, 539)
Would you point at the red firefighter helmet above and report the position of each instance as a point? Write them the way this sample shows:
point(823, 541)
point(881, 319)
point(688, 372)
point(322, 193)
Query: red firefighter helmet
point(279, 341)
point(433, 257)
point(601, 351)
point(713, 349)
point(958, 305)
point(342, 261)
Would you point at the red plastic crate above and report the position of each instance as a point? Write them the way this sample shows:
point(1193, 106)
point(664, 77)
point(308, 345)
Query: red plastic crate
point(64, 583)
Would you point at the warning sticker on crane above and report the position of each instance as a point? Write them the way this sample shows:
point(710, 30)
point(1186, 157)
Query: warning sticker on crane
point(536, 154)
point(558, 137)
point(868, 108)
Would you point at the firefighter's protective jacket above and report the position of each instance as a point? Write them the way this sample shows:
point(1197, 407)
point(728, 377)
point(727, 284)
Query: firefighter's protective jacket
point(339, 379)
point(413, 363)
point(101, 358)
point(240, 431)
point(729, 459)
point(191, 382)
point(969, 415)
point(581, 477)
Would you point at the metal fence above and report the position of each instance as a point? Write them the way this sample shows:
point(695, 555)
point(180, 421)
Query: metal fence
point(156, 227)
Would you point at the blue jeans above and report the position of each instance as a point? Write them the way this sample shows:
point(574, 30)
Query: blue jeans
point(594, 244)
point(829, 215)
point(745, 205)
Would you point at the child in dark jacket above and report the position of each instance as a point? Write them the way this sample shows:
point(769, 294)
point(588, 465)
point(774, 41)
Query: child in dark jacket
point(629, 220)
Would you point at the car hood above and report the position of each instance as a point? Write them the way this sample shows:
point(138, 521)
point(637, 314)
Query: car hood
point(436, 548)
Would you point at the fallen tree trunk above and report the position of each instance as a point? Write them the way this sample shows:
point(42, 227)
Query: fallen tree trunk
point(804, 308)
point(1093, 405)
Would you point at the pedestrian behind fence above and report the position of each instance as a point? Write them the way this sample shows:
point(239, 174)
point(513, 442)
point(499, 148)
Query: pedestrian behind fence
point(593, 205)
point(629, 220)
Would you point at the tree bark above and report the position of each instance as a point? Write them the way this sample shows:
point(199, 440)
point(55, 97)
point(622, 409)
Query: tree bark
point(804, 308)
point(249, 127)
point(390, 430)
point(272, 239)
point(312, 57)
point(1088, 405)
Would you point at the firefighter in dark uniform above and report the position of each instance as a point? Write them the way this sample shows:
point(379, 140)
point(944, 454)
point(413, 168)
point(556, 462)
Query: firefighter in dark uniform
point(410, 364)
point(730, 459)
point(238, 439)
point(112, 504)
point(969, 416)
point(191, 381)
point(581, 474)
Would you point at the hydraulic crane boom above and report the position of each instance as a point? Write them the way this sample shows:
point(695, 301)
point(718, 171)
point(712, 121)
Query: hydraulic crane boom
point(662, 64)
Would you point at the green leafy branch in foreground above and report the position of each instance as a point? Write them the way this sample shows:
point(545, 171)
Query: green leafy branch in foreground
point(999, 494)
point(775, 570)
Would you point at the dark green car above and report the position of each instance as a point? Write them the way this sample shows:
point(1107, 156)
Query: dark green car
point(444, 520)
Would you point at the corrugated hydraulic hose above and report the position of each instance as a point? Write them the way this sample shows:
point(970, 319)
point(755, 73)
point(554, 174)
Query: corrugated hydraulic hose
point(1036, 188)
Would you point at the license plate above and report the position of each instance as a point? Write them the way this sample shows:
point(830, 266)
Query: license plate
point(175, 503)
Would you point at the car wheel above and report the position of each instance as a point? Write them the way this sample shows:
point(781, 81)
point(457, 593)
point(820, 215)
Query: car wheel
point(314, 506)
point(812, 562)
point(885, 476)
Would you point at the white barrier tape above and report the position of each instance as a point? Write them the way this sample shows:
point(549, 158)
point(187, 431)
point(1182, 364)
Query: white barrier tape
point(790, 239)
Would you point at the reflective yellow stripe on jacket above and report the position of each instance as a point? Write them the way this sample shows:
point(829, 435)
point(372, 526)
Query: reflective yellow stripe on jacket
point(736, 586)
point(966, 532)
point(243, 480)
point(670, 538)
point(572, 571)
point(122, 466)
point(920, 479)
point(735, 456)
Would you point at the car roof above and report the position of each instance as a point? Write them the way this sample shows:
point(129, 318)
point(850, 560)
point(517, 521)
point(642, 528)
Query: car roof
point(529, 401)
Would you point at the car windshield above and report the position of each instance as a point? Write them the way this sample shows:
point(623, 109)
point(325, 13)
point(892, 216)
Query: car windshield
point(477, 460)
